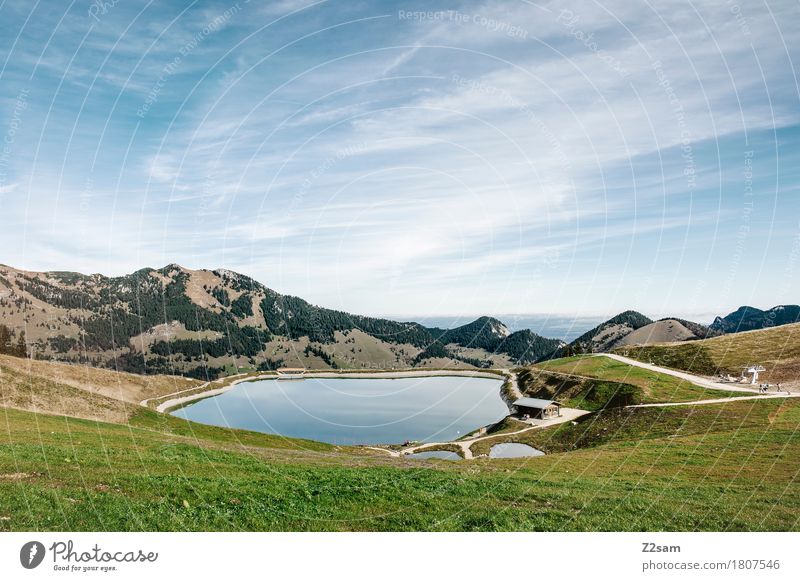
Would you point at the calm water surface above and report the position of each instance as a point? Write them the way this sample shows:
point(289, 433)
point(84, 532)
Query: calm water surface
point(356, 411)
point(441, 454)
point(512, 450)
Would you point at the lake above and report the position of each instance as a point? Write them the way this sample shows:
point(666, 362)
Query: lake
point(356, 411)
point(511, 450)
point(434, 454)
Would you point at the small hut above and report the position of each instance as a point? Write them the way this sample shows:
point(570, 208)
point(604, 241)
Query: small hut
point(540, 409)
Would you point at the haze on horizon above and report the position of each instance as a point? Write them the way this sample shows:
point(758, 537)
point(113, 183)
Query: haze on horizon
point(483, 158)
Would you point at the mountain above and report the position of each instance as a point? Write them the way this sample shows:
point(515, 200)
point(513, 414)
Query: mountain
point(606, 335)
point(525, 346)
point(668, 330)
point(749, 318)
point(482, 333)
point(492, 336)
point(204, 323)
point(633, 328)
point(698, 330)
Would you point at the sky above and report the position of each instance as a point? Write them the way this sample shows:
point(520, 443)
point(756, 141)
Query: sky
point(412, 158)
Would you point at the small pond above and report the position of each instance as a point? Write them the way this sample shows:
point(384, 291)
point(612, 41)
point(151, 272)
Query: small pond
point(510, 450)
point(442, 454)
point(349, 411)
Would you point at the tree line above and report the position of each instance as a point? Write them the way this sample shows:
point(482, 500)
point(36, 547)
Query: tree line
point(8, 346)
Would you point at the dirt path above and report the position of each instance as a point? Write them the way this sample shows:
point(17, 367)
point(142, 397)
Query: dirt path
point(392, 453)
point(695, 379)
point(713, 401)
point(204, 392)
point(511, 377)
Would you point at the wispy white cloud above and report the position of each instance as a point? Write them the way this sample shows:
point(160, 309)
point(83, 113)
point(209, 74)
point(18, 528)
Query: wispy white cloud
point(373, 162)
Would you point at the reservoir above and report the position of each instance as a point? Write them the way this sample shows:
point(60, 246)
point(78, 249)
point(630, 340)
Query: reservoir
point(435, 454)
point(349, 411)
point(511, 450)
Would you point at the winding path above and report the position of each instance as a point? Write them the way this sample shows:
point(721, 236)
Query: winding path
point(695, 379)
point(713, 401)
point(511, 378)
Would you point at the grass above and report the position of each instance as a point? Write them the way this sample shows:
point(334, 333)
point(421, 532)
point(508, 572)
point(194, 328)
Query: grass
point(653, 387)
point(719, 467)
point(79, 390)
point(632, 426)
point(170, 425)
point(730, 467)
point(153, 403)
point(777, 349)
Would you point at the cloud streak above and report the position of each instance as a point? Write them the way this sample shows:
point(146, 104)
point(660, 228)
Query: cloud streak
point(592, 161)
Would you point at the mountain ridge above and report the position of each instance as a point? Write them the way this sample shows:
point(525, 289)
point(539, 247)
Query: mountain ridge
point(206, 323)
point(200, 322)
point(747, 318)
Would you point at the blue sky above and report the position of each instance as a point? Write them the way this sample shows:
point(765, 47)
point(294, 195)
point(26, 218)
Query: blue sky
point(498, 157)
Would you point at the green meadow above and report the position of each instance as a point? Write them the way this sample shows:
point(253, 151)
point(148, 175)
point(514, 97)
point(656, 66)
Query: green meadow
point(729, 467)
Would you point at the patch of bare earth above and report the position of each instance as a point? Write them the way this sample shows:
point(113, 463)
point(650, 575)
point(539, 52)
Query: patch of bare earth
point(168, 332)
point(667, 331)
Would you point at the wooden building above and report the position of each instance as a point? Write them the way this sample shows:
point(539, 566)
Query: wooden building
point(540, 409)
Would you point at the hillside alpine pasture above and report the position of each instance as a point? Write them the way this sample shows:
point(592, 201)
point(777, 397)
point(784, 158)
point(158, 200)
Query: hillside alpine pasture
point(90, 366)
point(79, 451)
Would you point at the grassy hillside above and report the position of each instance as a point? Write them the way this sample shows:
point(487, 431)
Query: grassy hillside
point(777, 349)
point(731, 468)
point(79, 390)
point(719, 467)
point(556, 378)
point(632, 427)
point(576, 391)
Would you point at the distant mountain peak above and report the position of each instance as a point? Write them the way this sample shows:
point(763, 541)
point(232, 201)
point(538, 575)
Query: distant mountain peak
point(495, 326)
point(606, 335)
point(748, 318)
